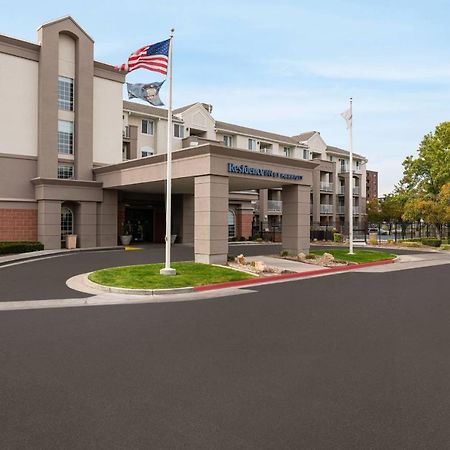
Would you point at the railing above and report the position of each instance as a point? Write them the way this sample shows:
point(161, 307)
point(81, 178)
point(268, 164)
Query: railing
point(326, 186)
point(126, 132)
point(346, 168)
point(274, 206)
point(356, 190)
point(355, 210)
point(341, 210)
point(341, 190)
point(326, 209)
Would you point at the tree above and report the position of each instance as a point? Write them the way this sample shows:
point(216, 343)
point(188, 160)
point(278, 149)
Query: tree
point(374, 211)
point(427, 173)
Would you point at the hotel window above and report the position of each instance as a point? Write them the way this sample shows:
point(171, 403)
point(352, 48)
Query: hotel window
point(65, 93)
point(287, 152)
point(305, 154)
point(147, 127)
point(252, 144)
point(65, 171)
point(228, 141)
point(178, 130)
point(65, 137)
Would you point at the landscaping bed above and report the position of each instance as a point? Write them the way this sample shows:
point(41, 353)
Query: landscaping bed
point(359, 256)
point(13, 247)
point(148, 277)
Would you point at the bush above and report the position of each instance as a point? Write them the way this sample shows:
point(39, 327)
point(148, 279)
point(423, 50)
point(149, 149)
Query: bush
point(411, 244)
point(432, 242)
point(19, 247)
point(337, 237)
point(310, 256)
point(284, 253)
point(445, 247)
point(259, 240)
point(242, 238)
point(231, 258)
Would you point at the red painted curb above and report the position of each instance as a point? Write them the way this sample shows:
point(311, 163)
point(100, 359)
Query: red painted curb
point(286, 276)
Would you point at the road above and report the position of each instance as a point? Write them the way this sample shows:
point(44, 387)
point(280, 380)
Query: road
point(349, 361)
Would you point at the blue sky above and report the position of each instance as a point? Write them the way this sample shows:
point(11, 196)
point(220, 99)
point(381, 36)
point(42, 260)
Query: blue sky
point(286, 66)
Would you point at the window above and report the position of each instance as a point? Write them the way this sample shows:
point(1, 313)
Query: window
point(231, 224)
point(287, 152)
point(65, 93)
point(65, 171)
point(66, 221)
point(147, 126)
point(305, 154)
point(147, 151)
point(178, 130)
point(330, 158)
point(252, 144)
point(228, 141)
point(65, 137)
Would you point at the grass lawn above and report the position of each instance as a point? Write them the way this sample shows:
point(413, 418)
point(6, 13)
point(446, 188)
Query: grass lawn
point(360, 256)
point(147, 276)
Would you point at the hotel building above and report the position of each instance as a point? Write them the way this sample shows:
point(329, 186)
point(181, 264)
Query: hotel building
point(77, 159)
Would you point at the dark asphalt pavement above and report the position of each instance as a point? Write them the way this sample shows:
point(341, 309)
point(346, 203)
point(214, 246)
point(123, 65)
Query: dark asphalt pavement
point(46, 278)
point(351, 361)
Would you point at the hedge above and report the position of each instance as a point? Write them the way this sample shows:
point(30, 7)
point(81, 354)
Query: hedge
point(431, 242)
point(8, 247)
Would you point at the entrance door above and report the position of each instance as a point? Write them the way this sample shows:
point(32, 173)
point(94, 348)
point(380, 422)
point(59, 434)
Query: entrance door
point(141, 223)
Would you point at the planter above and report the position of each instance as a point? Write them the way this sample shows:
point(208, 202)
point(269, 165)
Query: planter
point(126, 239)
point(71, 241)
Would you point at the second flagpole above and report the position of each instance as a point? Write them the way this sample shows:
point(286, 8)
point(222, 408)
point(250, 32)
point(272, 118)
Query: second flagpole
point(167, 270)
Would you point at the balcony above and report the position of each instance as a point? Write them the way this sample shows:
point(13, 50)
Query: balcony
point(356, 190)
point(126, 132)
point(345, 169)
point(341, 210)
point(326, 209)
point(355, 210)
point(273, 206)
point(341, 190)
point(325, 186)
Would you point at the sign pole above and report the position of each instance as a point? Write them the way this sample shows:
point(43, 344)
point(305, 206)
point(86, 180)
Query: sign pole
point(167, 269)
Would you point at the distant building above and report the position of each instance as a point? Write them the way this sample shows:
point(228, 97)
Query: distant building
point(371, 185)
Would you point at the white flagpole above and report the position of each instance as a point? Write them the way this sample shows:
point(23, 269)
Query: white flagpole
point(350, 184)
point(167, 269)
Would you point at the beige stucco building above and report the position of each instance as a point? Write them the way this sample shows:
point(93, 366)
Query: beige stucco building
point(77, 159)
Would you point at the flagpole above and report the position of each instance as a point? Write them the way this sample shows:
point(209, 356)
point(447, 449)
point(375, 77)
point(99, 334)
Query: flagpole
point(350, 184)
point(167, 269)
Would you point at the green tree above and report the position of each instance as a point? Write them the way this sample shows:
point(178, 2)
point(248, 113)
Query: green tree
point(430, 170)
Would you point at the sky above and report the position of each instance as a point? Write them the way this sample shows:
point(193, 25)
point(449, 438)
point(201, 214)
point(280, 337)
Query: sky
point(286, 66)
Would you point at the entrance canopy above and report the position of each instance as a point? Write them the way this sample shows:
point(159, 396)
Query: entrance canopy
point(244, 169)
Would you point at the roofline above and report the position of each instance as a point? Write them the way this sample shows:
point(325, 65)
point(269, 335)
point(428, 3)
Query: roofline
point(61, 19)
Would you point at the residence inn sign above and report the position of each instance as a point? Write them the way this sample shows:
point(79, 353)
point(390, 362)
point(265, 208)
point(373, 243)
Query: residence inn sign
point(256, 171)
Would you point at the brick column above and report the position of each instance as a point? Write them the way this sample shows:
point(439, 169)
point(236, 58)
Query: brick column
point(295, 227)
point(210, 219)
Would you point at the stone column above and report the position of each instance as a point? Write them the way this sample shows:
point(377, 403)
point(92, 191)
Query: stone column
point(210, 219)
point(107, 219)
point(295, 226)
point(49, 224)
point(187, 232)
point(86, 224)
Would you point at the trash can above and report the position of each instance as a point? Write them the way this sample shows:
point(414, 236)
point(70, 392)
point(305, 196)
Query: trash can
point(71, 241)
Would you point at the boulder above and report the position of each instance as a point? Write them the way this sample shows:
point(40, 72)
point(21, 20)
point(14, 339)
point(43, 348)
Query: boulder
point(260, 266)
point(240, 259)
point(326, 259)
point(301, 256)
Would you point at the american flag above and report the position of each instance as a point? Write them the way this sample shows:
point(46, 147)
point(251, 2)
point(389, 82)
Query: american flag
point(154, 57)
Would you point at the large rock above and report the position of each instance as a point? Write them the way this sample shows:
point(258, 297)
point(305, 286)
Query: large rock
point(260, 266)
point(301, 256)
point(240, 259)
point(326, 259)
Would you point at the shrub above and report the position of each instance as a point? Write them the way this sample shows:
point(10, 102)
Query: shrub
point(445, 247)
point(337, 237)
point(411, 244)
point(19, 247)
point(284, 253)
point(259, 240)
point(242, 238)
point(231, 257)
point(432, 242)
point(310, 256)
point(373, 241)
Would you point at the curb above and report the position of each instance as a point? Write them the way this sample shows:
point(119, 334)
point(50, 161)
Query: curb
point(22, 257)
point(116, 290)
point(288, 276)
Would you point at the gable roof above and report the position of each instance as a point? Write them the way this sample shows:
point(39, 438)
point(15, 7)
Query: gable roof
point(62, 19)
point(224, 126)
point(302, 137)
point(148, 110)
point(186, 107)
point(342, 152)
